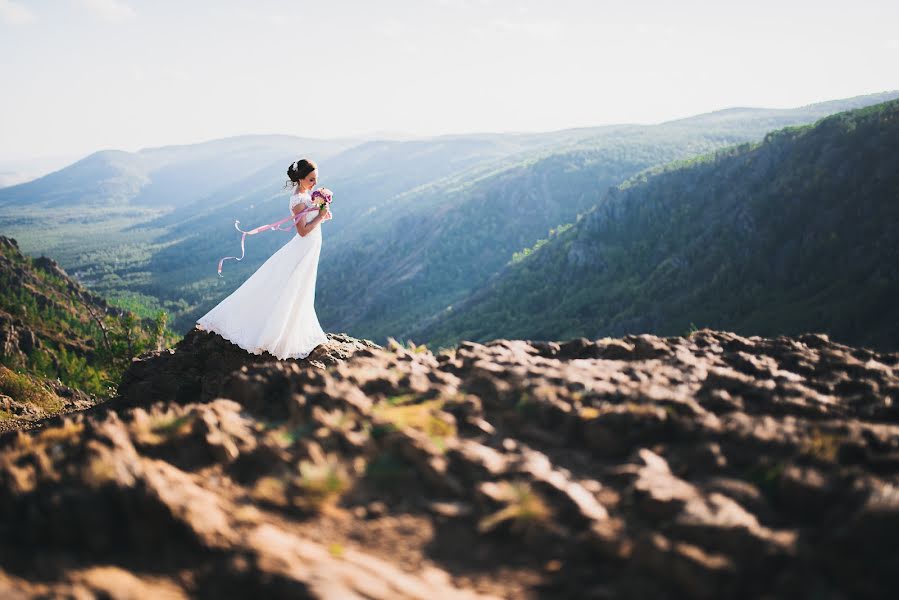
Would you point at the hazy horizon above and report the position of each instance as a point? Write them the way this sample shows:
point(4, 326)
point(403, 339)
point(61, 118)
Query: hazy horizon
point(399, 135)
point(93, 74)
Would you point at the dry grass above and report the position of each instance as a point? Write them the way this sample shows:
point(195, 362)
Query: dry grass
point(821, 445)
point(525, 509)
point(426, 417)
point(162, 429)
point(401, 399)
point(636, 408)
point(286, 436)
point(318, 485)
point(321, 483)
point(410, 346)
point(26, 389)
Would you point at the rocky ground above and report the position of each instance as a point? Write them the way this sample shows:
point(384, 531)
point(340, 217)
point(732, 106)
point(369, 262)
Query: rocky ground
point(711, 466)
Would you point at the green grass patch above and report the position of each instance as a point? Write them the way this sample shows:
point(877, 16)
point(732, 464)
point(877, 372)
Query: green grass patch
point(23, 388)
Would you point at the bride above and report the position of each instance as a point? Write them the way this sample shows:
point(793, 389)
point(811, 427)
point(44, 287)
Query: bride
point(273, 311)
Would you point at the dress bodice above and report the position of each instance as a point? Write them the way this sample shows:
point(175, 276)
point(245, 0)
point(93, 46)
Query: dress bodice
point(304, 198)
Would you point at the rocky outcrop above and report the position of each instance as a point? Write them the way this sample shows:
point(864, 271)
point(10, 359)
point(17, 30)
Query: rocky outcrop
point(16, 338)
point(708, 466)
point(196, 368)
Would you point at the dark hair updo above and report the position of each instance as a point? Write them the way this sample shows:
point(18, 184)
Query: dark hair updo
point(299, 170)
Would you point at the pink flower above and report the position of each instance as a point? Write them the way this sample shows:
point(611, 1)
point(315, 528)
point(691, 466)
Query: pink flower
point(324, 194)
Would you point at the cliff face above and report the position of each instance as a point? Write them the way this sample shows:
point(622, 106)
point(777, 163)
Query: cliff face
point(708, 466)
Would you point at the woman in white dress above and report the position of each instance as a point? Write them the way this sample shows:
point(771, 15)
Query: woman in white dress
point(274, 310)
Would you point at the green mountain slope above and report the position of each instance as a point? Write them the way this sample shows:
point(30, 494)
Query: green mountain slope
point(797, 233)
point(61, 346)
point(437, 244)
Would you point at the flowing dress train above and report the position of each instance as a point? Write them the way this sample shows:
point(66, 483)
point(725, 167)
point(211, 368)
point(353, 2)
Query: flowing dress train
point(274, 310)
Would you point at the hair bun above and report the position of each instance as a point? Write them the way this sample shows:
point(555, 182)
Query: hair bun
point(299, 169)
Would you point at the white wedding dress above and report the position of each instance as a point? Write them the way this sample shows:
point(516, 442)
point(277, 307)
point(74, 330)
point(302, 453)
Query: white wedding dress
point(274, 310)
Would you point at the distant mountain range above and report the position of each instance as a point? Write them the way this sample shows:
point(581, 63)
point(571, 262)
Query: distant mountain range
point(430, 248)
point(797, 233)
point(420, 225)
point(23, 170)
point(169, 176)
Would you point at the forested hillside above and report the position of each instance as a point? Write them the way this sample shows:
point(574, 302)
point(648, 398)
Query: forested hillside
point(430, 248)
point(797, 233)
point(58, 341)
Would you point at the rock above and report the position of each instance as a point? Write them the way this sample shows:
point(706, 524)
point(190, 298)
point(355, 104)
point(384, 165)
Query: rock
point(307, 569)
point(197, 367)
point(706, 466)
point(50, 266)
point(450, 509)
point(572, 496)
point(805, 490)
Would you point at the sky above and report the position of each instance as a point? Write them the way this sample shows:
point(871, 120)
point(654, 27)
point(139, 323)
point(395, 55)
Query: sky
point(83, 75)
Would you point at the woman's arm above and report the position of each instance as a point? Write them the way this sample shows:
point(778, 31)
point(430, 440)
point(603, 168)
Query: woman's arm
point(302, 227)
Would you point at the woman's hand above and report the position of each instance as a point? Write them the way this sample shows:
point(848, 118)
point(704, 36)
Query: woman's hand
point(326, 214)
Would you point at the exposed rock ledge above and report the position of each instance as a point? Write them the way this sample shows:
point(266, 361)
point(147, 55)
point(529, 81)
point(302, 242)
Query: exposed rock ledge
point(713, 466)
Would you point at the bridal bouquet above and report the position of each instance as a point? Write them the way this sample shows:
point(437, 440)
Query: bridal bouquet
point(321, 199)
point(323, 195)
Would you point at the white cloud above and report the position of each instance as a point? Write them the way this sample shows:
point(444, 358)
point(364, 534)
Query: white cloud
point(110, 10)
point(14, 13)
